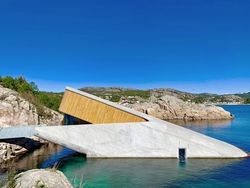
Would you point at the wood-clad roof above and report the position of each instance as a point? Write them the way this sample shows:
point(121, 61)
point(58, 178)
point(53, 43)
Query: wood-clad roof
point(95, 111)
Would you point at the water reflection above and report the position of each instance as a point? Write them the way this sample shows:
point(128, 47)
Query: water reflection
point(140, 172)
point(31, 160)
point(203, 123)
point(58, 157)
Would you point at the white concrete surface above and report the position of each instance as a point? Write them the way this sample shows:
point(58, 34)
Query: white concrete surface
point(17, 131)
point(136, 140)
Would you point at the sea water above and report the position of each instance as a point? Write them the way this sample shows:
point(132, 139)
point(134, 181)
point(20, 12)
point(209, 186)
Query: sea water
point(169, 172)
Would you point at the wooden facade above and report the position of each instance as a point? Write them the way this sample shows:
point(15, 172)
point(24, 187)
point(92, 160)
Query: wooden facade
point(94, 111)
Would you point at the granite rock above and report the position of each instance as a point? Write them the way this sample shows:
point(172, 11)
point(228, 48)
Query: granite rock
point(49, 178)
point(15, 110)
point(172, 108)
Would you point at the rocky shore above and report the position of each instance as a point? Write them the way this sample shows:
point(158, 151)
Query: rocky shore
point(172, 108)
point(49, 178)
point(15, 110)
point(14, 148)
point(169, 104)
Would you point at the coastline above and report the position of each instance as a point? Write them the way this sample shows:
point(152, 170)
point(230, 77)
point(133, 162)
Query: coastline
point(230, 104)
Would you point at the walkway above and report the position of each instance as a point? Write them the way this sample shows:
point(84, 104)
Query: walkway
point(18, 132)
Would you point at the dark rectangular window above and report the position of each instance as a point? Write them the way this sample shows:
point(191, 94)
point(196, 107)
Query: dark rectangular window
point(182, 154)
point(70, 120)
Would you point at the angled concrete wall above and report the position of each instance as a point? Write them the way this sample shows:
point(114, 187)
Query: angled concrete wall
point(146, 139)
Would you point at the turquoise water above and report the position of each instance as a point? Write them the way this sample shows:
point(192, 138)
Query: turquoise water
point(168, 172)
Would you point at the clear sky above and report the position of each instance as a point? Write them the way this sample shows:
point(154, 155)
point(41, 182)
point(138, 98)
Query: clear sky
point(192, 45)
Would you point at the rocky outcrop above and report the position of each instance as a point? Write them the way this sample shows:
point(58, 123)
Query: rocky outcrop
point(9, 151)
point(170, 107)
point(12, 148)
point(49, 178)
point(15, 110)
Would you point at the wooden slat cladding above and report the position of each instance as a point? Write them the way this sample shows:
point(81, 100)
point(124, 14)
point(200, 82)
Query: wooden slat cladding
point(93, 111)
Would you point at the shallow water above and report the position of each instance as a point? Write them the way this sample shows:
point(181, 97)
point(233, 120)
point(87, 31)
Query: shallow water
point(157, 172)
point(168, 172)
point(30, 160)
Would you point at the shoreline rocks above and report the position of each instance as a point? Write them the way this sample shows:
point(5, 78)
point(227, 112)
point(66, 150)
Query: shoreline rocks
point(172, 108)
point(15, 110)
point(49, 178)
point(13, 148)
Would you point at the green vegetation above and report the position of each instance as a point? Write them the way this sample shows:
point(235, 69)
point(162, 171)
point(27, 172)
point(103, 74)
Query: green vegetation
point(115, 94)
point(244, 95)
point(50, 99)
point(145, 94)
point(11, 181)
point(218, 99)
point(247, 101)
point(114, 98)
point(198, 100)
point(130, 92)
point(30, 92)
point(18, 84)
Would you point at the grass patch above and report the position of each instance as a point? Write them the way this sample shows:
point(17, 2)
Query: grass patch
point(11, 180)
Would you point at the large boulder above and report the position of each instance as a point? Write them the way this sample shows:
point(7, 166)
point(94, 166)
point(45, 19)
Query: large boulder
point(13, 148)
point(172, 108)
point(48, 178)
point(15, 110)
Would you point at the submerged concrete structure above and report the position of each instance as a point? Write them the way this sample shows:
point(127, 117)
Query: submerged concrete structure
point(109, 130)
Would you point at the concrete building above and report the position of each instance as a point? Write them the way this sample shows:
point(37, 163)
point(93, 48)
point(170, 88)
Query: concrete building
point(108, 130)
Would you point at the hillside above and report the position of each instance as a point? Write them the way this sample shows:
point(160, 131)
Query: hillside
point(31, 93)
point(16, 110)
point(115, 94)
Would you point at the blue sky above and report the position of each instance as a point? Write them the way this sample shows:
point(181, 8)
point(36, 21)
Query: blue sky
point(194, 45)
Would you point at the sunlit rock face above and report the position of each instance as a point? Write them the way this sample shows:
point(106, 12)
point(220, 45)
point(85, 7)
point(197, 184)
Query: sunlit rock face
point(170, 107)
point(14, 110)
point(42, 178)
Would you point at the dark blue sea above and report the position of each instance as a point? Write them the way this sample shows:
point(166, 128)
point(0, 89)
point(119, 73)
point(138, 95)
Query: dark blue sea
point(169, 172)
